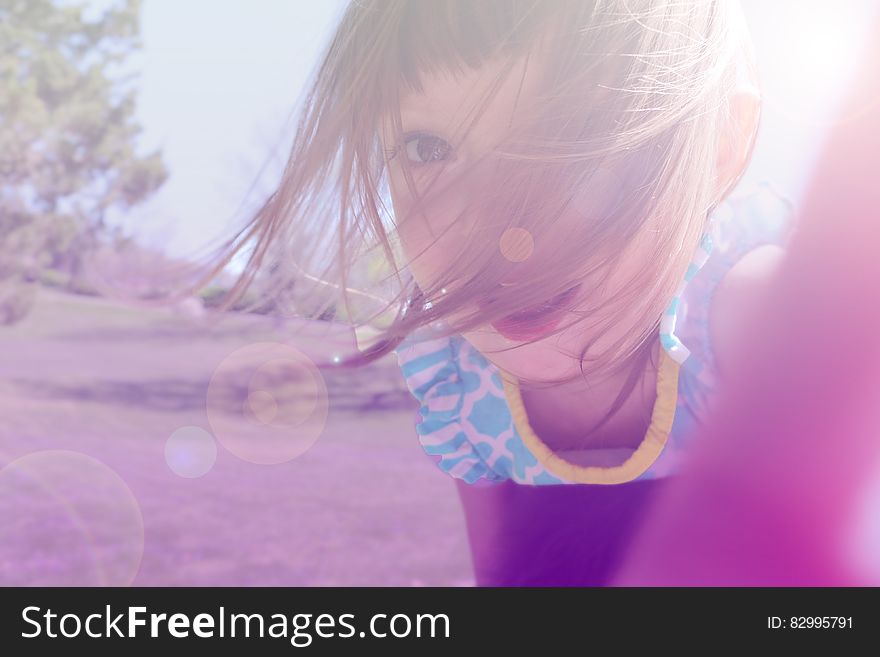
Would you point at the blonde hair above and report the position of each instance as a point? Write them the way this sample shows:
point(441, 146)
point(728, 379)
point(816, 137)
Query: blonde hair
point(635, 90)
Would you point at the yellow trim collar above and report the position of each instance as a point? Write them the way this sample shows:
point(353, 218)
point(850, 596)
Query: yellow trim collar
point(647, 452)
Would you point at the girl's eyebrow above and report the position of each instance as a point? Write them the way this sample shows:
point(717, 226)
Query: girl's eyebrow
point(442, 101)
point(427, 119)
point(415, 101)
point(421, 107)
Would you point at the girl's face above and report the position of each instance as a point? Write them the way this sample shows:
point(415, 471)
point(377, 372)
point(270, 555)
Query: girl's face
point(428, 240)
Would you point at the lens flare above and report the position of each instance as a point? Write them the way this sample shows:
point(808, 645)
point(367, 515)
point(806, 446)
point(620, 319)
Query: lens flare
point(516, 244)
point(267, 403)
point(190, 452)
point(66, 519)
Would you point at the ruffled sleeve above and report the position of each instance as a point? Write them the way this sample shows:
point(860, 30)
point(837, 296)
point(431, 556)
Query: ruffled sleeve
point(430, 367)
point(743, 222)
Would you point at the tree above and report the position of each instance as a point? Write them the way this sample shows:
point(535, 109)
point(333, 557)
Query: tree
point(68, 133)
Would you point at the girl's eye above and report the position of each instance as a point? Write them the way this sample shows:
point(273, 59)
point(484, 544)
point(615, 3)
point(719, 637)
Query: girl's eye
point(422, 148)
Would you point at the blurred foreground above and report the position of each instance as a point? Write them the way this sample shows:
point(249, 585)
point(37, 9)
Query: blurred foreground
point(110, 384)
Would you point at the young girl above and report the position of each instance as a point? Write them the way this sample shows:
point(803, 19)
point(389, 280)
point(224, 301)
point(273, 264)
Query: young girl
point(548, 184)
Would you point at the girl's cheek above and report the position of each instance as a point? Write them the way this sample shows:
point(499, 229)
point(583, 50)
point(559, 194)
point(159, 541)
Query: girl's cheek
point(424, 255)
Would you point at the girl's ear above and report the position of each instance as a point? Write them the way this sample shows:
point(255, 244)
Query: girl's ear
point(735, 144)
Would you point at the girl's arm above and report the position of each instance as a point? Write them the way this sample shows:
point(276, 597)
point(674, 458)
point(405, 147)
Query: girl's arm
point(774, 498)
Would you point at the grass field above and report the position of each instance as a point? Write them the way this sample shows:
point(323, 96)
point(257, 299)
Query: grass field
point(93, 377)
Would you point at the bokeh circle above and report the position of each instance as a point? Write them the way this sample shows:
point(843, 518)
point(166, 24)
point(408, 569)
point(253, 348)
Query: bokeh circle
point(516, 244)
point(267, 403)
point(66, 519)
point(190, 452)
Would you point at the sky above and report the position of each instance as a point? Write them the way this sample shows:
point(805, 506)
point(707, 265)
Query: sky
point(219, 80)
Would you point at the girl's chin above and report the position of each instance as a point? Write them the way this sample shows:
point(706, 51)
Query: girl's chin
point(538, 361)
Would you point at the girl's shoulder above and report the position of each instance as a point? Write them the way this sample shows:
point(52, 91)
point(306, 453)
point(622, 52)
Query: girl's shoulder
point(750, 231)
point(737, 295)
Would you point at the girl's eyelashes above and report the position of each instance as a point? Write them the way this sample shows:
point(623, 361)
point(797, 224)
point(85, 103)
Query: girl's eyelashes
point(422, 148)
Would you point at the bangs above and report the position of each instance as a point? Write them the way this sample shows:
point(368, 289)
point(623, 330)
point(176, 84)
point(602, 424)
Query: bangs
point(448, 37)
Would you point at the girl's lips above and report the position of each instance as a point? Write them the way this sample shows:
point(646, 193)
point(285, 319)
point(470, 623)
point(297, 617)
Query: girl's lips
point(532, 323)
